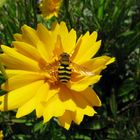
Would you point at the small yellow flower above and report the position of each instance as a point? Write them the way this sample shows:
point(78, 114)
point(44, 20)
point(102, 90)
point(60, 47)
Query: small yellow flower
point(50, 71)
point(50, 8)
point(1, 135)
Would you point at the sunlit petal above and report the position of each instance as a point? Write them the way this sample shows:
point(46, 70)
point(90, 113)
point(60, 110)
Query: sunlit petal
point(68, 38)
point(87, 48)
point(39, 110)
point(29, 106)
point(29, 35)
point(53, 108)
point(13, 59)
point(18, 97)
point(49, 43)
point(27, 50)
point(20, 80)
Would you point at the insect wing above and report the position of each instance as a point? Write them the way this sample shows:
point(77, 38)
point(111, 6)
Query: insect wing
point(82, 70)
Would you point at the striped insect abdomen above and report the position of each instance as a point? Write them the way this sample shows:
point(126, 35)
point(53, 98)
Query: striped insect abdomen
point(64, 72)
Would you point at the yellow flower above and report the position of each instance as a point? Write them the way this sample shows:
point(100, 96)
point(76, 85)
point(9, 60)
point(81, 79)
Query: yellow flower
point(50, 72)
point(1, 135)
point(50, 8)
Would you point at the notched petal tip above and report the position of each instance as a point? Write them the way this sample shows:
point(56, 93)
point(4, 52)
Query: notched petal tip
point(18, 115)
point(3, 47)
point(25, 28)
point(17, 37)
point(40, 25)
point(94, 35)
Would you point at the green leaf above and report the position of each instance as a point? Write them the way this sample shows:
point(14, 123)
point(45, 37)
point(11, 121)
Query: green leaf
point(127, 86)
point(112, 134)
point(113, 104)
point(127, 33)
point(38, 126)
point(101, 10)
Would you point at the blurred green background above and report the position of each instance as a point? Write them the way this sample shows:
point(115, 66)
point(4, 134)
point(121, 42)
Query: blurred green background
point(118, 25)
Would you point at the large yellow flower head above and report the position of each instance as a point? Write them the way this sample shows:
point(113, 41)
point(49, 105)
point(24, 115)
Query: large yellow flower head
point(50, 71)
point(50, 8)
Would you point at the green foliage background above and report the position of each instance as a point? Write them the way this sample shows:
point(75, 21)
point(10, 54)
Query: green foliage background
point(118, 25)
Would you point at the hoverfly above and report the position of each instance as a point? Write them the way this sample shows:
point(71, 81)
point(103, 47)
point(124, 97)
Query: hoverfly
point(64, 69)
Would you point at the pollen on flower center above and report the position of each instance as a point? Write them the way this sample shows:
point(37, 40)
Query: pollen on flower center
point(48, 69)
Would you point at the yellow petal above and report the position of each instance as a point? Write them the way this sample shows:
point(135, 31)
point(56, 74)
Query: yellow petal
point(29, 106)
point(68, 38)
point(11, 72)
point(53, 108)
point(50, 15)
point(20, 80)
point(79, 115)
point(63, 28)
point(55, 29)
point(99, 63)
point(18, 37)
point(87, 48)
point(83, 108)
point(91, 97)
point(41, 96)
point(29, 35)
point(27, 50)
point(66, 119)
point(84, 83)
point(39, 110)
point(47, 38)
point(18, 97)
point(58, 50)
point(51, 93)
point(66, 98)
point(79, 100)
point(110, 61)
point(15, 60)
point(42, 49)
